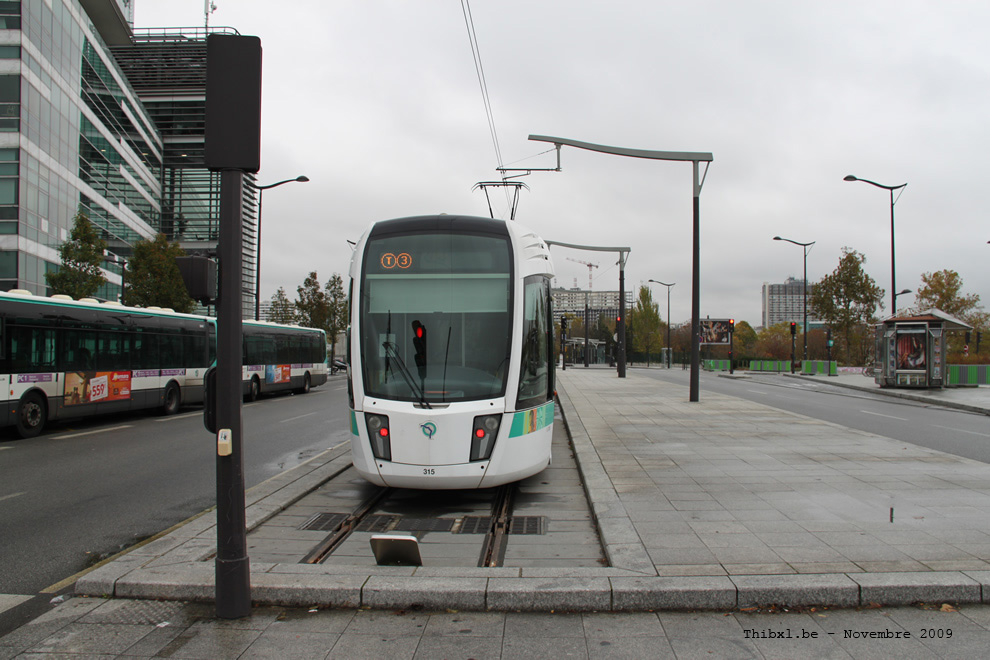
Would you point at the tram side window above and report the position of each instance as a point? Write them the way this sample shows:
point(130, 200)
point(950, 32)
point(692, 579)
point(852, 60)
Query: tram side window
point(535, 378)
point(78, 350)
point(31, 349)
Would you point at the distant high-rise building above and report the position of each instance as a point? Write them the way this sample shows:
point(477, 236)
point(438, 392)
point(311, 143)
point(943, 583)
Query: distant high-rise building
point(784, 303)
point(572, 302)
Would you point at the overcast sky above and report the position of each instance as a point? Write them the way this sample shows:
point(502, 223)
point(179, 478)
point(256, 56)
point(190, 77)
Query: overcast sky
point(379, 104)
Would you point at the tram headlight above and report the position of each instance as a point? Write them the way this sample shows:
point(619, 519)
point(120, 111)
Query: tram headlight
point(483, 436)
point(381, 438)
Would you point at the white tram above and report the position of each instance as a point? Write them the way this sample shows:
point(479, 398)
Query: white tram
point(450, 344)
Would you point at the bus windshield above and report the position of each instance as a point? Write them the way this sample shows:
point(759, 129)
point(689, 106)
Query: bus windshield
point(435, 316)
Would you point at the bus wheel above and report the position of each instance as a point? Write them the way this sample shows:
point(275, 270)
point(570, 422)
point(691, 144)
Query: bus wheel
point(172, 400)
point(306, 384)
point(254, 390)
point(32, 413)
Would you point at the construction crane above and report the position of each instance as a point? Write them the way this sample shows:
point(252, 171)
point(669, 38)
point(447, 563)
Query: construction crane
point(589, 265)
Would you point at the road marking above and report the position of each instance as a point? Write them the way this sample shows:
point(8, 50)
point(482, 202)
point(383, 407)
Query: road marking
point(171, 417)
point(2, 448)
point(757, 391)
point(12, 495)
point(949, 428)
point(292, 419)
point(867, 412)
point(76, 435)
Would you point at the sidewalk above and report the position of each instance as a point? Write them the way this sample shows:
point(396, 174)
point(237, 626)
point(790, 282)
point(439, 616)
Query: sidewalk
point(717, 505)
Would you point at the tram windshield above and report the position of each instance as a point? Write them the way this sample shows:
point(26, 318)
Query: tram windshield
point(435, 317)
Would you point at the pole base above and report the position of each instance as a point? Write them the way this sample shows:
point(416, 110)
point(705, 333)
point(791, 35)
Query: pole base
point(233, 588)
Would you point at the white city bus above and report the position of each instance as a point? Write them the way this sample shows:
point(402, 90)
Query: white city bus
point(62, 358)
point(282, 357)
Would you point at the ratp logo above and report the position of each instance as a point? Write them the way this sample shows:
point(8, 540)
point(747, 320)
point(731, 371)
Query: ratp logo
point(429, 429)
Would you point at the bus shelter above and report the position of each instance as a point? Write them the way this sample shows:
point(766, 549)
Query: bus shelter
point(911, 350)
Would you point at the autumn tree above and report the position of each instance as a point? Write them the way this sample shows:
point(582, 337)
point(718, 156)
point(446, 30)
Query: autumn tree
point(774, 343)
point(943, 290)
point(153, 277)
point(281, 309)
point(337, 302)
point(744, 340)
point(645, 317)
point(312, 309)
point(847, 301)
point(79, 274)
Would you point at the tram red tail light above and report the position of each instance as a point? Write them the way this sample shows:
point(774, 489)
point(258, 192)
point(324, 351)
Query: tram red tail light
point(484, 435)
point(378, 433)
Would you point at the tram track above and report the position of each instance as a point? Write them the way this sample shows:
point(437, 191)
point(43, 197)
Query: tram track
point(371, 515)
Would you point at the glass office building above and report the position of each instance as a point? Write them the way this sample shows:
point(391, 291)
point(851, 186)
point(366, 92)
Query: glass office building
point(73, 135)
point(98, 118)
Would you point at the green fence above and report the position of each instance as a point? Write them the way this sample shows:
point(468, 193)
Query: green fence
point(715, 365)
point(770, 365)
point(968, 374)
point(818, 367)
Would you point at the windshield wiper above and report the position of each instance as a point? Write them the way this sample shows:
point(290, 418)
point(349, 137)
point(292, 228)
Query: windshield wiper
point(404, 372)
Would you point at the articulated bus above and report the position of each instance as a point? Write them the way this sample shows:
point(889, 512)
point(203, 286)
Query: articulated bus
point(62, 358)
point(282, 357)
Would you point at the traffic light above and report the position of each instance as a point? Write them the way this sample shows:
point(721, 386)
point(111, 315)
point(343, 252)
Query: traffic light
point(793, 328)
point(732, 325)
point(419, 343)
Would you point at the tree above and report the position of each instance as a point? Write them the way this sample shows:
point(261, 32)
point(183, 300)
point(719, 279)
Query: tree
point(281, 310)
point(79, 275)
point(312, 309)
point(153, 277)
point(847, 301)
point(744, 341)
point(774, 343)
point(942, 290)
point(645, 316)
point(337, 301)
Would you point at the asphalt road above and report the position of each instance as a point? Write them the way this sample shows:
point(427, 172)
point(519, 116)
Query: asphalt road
point(952, 431)
point(86, 490)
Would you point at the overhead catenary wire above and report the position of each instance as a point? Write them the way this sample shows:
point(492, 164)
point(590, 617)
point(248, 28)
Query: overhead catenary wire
point(480, 70)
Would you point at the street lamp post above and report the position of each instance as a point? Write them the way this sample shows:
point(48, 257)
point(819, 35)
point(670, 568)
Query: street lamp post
point(669, 347)
point(901, 293)
point(891, 189)
point(806, 247)
point(257, 277)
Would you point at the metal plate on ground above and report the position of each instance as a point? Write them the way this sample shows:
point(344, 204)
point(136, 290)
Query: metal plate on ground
point(424, 525)
point(378, 522)
point(324, 522)
point(519, 525)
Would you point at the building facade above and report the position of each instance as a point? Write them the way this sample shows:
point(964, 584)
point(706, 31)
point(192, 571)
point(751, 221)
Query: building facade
point(572, 302)
point(784, 303)
point(98, 119)
point(73, 136)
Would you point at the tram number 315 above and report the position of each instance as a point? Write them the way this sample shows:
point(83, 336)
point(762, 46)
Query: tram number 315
point(429, 471)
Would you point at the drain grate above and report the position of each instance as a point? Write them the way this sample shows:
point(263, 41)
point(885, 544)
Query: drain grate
point(526, 525)
point(324, 522)
point(378, 523)
point(521, 525)
point(424, 525)
point(475, 525)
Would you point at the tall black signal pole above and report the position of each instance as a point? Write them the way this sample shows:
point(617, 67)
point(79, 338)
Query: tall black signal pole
point(233, 146)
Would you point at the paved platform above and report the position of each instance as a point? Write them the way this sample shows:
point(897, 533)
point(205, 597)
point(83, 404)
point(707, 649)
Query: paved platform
point(718, 505)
